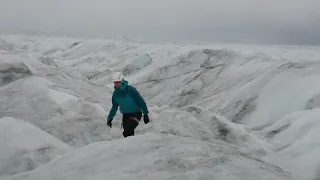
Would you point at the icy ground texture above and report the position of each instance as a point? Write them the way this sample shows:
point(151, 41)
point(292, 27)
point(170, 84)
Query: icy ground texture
point(24, 147)
point(217, 111)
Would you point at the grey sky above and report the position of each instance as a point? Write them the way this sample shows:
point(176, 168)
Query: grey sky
point(247, 21)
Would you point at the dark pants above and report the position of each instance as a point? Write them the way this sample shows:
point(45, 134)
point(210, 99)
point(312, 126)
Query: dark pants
point(129, 122)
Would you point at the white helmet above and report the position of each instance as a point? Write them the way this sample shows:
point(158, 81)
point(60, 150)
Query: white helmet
point(117, 76)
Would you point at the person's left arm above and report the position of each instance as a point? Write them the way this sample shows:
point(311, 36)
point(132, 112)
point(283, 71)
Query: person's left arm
point(139, 100)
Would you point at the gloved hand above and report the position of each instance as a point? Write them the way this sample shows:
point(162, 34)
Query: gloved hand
point(146, 119)
point(109, 123)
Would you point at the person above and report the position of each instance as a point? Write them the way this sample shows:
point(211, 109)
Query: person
point(131, 103)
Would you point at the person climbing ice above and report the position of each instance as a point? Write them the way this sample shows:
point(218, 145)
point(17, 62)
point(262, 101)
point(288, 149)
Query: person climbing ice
point(131, 103)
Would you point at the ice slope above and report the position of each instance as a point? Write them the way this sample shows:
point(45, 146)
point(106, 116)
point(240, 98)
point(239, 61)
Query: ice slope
point(24, 147)
point(295, 138)
point(240, 96)
point(292, 90)
point(52, 98)
point(153, 156)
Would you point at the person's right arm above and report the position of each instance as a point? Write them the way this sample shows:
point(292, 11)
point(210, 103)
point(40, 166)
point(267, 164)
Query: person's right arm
point(113, 110)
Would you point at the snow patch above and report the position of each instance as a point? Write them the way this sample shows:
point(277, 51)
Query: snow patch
point(61, 97)
point(136, 64)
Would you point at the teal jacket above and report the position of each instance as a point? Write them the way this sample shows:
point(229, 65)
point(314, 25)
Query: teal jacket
point(128, 99)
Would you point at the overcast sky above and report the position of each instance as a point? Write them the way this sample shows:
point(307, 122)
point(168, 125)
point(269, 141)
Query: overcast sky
point(247, 21)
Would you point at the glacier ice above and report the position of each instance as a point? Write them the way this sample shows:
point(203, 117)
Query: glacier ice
point(217, 111)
